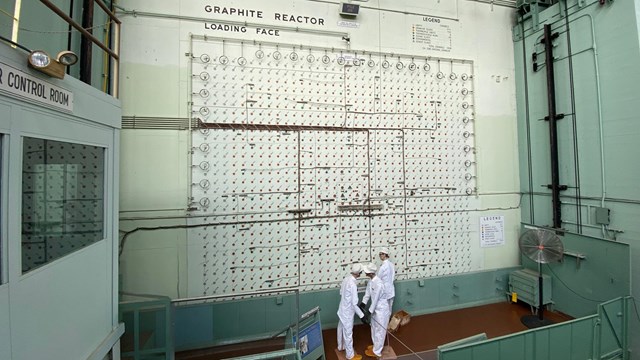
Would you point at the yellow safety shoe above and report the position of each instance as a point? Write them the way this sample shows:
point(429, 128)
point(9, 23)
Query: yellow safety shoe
point(356, 357)
point(369, 352)
point(370, 347)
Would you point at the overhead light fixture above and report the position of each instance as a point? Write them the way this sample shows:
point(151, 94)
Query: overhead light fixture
point(42, 62)
point(67, 58)
point(39, 59)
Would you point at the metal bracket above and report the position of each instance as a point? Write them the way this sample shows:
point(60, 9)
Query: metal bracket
point(578, 257)
point(558, 117)
point(560, 187)
point(535, 15)
point(517, 34)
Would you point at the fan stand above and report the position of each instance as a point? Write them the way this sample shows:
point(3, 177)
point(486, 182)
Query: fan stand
point(535, 321)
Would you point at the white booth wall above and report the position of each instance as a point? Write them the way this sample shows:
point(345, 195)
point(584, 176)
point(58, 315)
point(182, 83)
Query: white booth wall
point(63, 304)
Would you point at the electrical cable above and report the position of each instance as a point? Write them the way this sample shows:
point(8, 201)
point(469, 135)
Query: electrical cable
point(4, 12)
point(635, 305)
point(171, 227)
point(14, 44)
point(395, 337)
point(570, 289)
point(191, 226)
point(105, 25)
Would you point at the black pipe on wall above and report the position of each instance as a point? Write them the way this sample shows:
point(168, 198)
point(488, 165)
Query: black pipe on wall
point(86, 44)
point(70, 36)
point(553, 130)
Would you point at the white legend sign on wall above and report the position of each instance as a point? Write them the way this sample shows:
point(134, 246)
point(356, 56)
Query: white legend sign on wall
point(491, 231)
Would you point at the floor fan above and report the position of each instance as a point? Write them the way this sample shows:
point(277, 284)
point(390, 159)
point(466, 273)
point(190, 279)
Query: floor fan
point(542, 246)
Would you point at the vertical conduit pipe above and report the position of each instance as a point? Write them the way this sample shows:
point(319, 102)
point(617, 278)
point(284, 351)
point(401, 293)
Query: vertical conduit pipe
point(86, 44)
point(528, 124)
point(574, 111)
point(553, 130)
point(70, 35)
point(600, 124)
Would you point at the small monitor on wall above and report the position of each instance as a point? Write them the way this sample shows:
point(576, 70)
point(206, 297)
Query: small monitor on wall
point(348, 9)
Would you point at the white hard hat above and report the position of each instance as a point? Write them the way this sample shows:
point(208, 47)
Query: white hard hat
point(384, 250)
point(370, 269)
point(356, 268)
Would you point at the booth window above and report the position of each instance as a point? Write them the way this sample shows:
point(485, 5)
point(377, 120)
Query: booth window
point(62, 199)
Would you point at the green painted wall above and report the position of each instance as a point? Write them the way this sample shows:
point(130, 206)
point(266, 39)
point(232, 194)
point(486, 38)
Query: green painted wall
point(210, 324)
point(596, 57)
point(579, 286)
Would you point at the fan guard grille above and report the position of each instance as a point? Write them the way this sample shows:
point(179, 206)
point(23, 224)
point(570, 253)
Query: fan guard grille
point(540, 245)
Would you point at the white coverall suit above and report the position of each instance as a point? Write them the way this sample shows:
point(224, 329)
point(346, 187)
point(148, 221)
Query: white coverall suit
point(380, 313)
point(387, 274)
point(348, 307)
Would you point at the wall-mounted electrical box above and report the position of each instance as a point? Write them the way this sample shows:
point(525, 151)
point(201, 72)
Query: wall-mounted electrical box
point(603, 216)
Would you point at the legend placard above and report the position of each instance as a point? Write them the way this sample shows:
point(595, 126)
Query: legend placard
point(434, 35)
point(491, 231)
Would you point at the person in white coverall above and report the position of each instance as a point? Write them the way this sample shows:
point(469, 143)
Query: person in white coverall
point(387, 273)
point(379, 309)
point(348, 307)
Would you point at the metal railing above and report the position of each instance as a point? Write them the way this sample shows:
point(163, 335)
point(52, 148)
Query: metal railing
point(148, 326)
point(603, 335)
point(233, 325)
point(113, 54)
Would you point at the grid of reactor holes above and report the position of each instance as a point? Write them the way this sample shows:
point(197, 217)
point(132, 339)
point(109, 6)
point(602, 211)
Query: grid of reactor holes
point(62, 199)
point(398, 134)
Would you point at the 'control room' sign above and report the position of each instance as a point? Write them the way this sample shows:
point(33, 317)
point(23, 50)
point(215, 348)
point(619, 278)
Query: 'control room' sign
point(21, 84)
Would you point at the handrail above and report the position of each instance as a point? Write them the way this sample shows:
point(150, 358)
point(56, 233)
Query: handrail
point(286, 290)
point(303, 317)
point(78, 27)
point(595, 341)
point(115, 55)
point(106, 9)
point(278, 291)
point(148, 296)
point(269, 355)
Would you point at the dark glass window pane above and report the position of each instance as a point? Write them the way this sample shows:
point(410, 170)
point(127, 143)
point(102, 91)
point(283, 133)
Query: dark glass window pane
point(62, 199)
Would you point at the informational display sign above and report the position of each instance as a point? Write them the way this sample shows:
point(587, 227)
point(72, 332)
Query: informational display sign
point(310, 339)
point(433, 34)
point(348, 24)
point(491, 231)
point(21, 84)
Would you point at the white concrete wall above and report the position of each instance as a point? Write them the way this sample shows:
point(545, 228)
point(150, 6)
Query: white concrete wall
point(155, 82)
